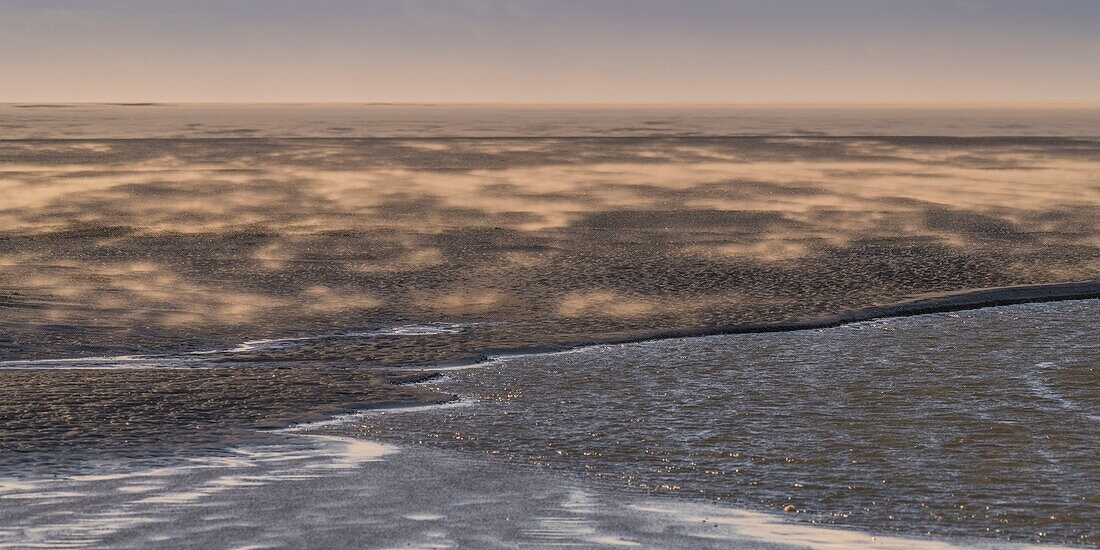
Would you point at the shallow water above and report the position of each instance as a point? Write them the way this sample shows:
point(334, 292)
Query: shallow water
point(977, 423)
point(330, 492)
point(981, 423)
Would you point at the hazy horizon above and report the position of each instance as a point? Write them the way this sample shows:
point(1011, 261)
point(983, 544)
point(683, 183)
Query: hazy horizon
point(975, 104)
point(562, 52)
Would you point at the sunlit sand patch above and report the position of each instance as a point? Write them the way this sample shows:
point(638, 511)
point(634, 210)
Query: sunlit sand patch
point(426, 145)
point(423, 517)
point(36, 188)
point(422, 258)
point(602, 303)
point(413, 258)
point(770, 250)
point(463, 301)
point(167, 298)
point(9, 485)
point(17, 260)
point(274, 256)
point(530, 259)
point(359, 190)
point(323, 299)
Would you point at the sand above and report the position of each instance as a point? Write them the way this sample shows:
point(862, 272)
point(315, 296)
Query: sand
point(113, 247)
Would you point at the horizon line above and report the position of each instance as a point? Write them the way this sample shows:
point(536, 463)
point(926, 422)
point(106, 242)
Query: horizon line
point(625, 104)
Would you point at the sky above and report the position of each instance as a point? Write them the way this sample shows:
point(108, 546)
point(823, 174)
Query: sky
point(601, 51)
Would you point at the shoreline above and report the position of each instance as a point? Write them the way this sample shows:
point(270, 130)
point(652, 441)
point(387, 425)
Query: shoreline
point(395, 388)
point(617, 513)
point(948, 302)
point(964, 300)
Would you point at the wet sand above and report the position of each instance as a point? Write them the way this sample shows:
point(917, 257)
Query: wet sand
point(75, 419)
point(943, 303)
point(328, 492)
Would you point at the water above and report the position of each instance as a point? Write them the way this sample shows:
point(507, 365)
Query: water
point(326, 492)
point(962, 425)
point(978, 423)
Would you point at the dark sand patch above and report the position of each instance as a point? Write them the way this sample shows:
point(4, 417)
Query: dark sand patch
point(63, 418)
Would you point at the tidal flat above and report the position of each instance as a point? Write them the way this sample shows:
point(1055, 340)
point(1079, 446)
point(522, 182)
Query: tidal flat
point(133, 229)
point(174, 278)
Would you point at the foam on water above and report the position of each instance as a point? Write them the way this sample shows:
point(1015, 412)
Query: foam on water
point(429, 329)
point(357, 416)
point(1040, 388)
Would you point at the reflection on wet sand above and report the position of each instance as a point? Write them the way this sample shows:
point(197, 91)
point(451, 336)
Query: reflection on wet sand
point(112, 245)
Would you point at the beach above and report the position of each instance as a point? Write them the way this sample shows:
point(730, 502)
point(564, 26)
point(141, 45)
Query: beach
point(113, 244)
point(185, 283)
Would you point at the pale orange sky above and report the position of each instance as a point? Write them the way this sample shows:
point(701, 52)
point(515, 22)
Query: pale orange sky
point(550, 51)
